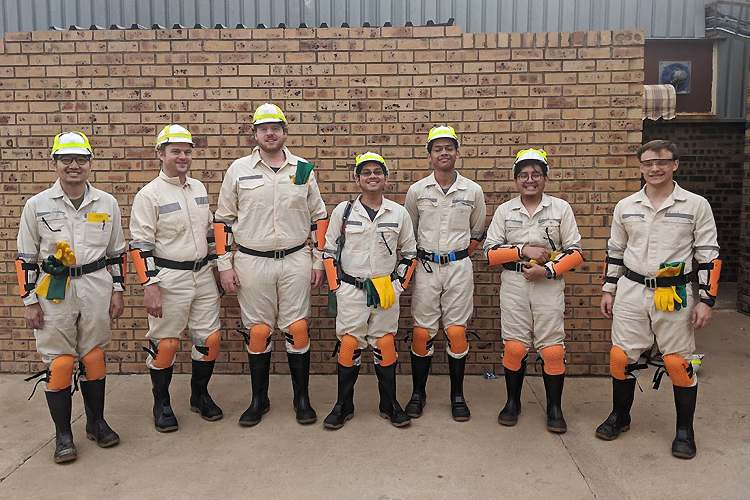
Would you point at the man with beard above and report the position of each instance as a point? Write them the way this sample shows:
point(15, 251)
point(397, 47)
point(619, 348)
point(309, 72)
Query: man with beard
point(267, 203)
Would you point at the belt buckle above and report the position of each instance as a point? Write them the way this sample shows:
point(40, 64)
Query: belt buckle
point(197, 265)
point(279, 254)
point(445, 258)
point(359, 283)
point(75, 271)
point(649, 282)
point(519, 267)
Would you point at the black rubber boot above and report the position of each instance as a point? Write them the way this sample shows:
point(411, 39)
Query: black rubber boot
point(343, 410)
point(299, 367)
point(623, 393)
point(513, 385)
point(164, 419)
point(459, 409)
point(60, 407)
point(553, 386)
point(420, 369)
point(260, 365)
point(97, 428)
point(683, 445)
point(389, 407)
point(200, 400)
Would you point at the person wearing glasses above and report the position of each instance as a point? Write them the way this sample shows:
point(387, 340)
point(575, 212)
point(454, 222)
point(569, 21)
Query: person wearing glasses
point(534, 237)
point(656, 234)
point(76, 230)
point(173, 252)
point(369, 257)
point(268, 203)
point(448, 212)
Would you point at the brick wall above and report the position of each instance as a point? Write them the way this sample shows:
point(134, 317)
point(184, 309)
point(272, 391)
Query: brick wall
point(711, 165)
point(345, 91)
point(743, 279)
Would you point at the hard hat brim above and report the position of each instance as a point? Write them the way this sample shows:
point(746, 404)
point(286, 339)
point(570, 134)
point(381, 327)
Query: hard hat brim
point(72, 151)
point(442, 136)
point(268, 120)
point(531, 155)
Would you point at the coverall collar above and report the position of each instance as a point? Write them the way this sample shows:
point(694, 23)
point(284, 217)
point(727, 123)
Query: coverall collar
point(458, 184)
point(291, 159)
point(384, 207)
point(678, 194)
point(175, 180)
point(515, 204)
point(56, 191)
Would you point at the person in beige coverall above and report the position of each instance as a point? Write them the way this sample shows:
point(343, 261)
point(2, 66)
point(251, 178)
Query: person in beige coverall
point(173, 252)
point(74, 324)
point(268, 203)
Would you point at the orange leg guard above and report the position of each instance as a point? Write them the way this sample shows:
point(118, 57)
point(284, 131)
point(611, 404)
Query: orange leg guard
point(348, 351)
point(679, 370)
point(421, 343)
point(618, 362)
point(298, 336)
point(60, 372)
point(259, 335)
point(554, 359)
point(213, 342)
point(513, 355)
point(457, 342)
point(387, 348)
point(165, 352)
point(94, 364)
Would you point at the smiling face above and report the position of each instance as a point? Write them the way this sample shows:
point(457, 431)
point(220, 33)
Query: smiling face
point(176, 159)
point(443, 154)
point(372, 178)
point(73, 174)
point(658, 167)
point(270, 137)
point(530, 180)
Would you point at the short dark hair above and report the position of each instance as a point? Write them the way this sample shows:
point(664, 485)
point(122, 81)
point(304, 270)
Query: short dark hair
point(429, 144)
point(659, 145)
point(519, 166)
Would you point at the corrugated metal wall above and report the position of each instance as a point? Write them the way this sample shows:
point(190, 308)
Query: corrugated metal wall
point(657, 18)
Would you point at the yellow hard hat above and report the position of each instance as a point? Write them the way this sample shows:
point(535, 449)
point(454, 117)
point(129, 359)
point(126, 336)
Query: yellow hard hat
point(369, 156)
point(268, 113)
point(173, 133)
point(539, 155)
point(71, 143)
point(440, 132)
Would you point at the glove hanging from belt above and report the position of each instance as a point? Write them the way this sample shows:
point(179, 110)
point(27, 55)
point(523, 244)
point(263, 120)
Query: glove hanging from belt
point(670, 298)
point(373, 299)
point(384, 287)
point(54, 284)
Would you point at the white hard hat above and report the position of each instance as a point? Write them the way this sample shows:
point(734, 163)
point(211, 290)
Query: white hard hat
point(173, 133)
point(72, 143)
point(539, 155)
point(268, 113)
point(369, 156)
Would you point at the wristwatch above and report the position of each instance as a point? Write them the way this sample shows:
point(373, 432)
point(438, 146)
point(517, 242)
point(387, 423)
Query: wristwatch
point(550, 272)
point(709, 301)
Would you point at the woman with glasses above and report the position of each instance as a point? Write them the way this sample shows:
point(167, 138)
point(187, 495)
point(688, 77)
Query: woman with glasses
point(534, 237)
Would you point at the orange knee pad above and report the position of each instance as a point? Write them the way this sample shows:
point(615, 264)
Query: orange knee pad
point(348, 351)
point(513, 355)
point(618, 362)
point(213, 342)
point(421, 342)
point(386, 350)
point(165, 352)
point(457, 341)
point(93, 363)
point(60, 372)
point(680, 371)
point(297, 336)
point(260, 336)
point(554, 359)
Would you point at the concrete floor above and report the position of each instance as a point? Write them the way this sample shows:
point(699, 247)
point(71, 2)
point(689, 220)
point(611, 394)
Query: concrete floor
point(434, 458)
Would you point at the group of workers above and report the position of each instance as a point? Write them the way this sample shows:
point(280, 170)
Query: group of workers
point(369, 251)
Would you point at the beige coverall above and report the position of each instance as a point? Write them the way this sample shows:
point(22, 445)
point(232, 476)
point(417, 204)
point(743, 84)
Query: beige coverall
point(80, 322)
point(371, 251)
point(532, 311)
point(445, 223)
point(267, 212)
point(175, 222)
point(682, 229)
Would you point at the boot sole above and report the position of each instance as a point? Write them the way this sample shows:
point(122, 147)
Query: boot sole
point(682, 455)
point(62, 460)
point(102, 444)
point(557, 430)
point(307, 421)
point(338, 426)
point(612, 438)
point(255, 422)
point(460, 419)
point(414, 415)
point(195, 409)
point(395, 424)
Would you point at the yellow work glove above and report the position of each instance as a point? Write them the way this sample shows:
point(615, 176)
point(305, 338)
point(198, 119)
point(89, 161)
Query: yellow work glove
point(65, 254)
point(384, 286)
point(666, 296)
point(57, 279)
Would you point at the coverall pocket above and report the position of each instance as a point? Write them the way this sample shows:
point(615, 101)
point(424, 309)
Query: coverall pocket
point(677, 229)
point(514, 232)
point(297, 199)
point(428, 213)
point(387, 240)
point(251, 194)
point(549, 232)
point(97, 234)
point(53, 227)
point(460, 216)
point(170, 226)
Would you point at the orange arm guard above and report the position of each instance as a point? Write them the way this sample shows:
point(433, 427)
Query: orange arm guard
point(141, 267)
point(220, 236)
point(24, 271)
point(473, 245)
point(409, 271)
point(330, 266)
point(499, 256)
point(566, 261)
point(119, 268)
point(320, 228)
point(712, 285)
